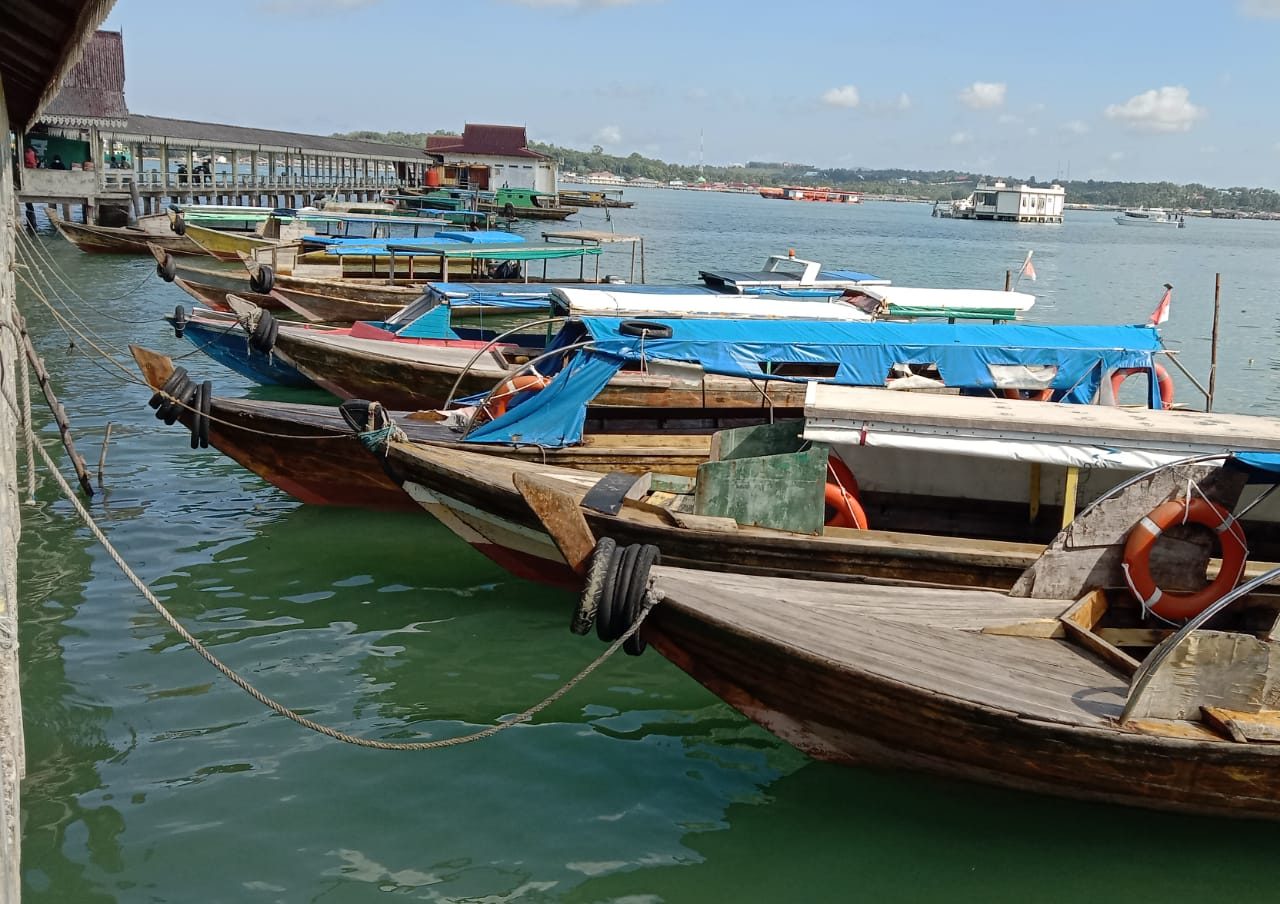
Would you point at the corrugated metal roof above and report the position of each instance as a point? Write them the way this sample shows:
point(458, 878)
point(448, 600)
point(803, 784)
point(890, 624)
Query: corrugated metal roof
point(38, 40)
point(211, 136)
point(485, 141)
point(93, 91)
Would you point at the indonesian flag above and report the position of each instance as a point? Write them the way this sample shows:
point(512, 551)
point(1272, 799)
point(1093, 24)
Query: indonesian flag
point(1161, 313)
point(1028, 269)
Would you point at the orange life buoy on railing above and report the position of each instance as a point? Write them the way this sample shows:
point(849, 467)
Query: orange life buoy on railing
point(1163, 381)
point(497, 404)
point(1032, 395)
point(1175, 604)
point(841, 495)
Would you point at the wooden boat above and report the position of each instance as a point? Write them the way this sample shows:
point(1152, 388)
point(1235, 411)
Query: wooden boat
point(594, 198)
point(224, 245)
point(220, 336)
point(215, 298)
point(151, 230)
point(1057, 687)
point(314, 455)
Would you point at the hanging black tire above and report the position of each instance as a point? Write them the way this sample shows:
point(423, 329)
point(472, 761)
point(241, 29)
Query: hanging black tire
point(645, 328)
point(179, 321)
point(204, 402)
point(179, 225)
point(618, 622)
point(584, 616)
point(167, 269)
point(638, 589)
point(356, 413)
point(604, 613)
point(263, 337)
point(263, 279)
point(172, 408)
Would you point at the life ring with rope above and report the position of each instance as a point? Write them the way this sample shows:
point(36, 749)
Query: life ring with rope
point(496, 407)
point(1163, 381)
point(1176, 604)
point(841, 497)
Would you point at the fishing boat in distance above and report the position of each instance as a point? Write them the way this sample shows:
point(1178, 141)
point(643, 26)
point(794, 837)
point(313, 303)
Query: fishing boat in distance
point(808, 193)
point(1151, 216)
point(595, 198)
point(151, 230)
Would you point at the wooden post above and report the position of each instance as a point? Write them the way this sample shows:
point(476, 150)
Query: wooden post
point(59, 413)
point(1069, 495)
point(1213, 344)
point(102, 456)
point(1008, 280)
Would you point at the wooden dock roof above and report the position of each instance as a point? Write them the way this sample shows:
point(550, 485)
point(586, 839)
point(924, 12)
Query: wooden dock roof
point(39, 43)
point(93, 90)
point(210, 135)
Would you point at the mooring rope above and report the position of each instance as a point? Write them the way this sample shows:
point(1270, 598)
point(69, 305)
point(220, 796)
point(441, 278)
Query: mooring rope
point(279, 708)
point(58, 271)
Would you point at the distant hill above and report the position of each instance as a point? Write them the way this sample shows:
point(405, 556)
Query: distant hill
point(928, 184)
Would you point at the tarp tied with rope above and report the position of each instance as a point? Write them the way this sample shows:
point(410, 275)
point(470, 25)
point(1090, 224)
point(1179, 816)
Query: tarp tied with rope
point(1073, 361)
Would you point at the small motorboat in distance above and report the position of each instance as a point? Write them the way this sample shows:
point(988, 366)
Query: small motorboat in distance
point(1151, 216)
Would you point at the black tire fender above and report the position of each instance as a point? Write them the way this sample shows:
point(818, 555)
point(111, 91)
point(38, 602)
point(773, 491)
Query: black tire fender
point(639, 588)
point(649, 329)
point(584, 616)
point(167, 269)
point(263, 280)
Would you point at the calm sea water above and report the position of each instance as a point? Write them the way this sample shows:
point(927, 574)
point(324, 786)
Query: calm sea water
point(152, 779)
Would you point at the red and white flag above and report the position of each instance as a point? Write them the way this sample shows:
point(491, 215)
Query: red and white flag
point(1161, 313)
point(1028, 269)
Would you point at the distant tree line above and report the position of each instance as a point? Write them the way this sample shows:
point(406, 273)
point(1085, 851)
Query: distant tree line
point(927, 184)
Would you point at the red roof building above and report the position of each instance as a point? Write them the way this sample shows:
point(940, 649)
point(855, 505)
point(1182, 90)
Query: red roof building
point(500, 153)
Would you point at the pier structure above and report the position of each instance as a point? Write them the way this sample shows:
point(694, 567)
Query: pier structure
point(115, 163)
point(39, 43)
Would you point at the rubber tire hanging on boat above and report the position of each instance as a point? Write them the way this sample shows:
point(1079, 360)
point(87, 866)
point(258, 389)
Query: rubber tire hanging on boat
point(166, 269)
point(356, 413)
point(158, 400)
point(604, 612)
point(263, 337)
point(646, 329)
point(179, 321)
point(263, 280)
point(584, 616)
point(633, 605)
point(200, 426)
point(179, 225)
point(618, 614)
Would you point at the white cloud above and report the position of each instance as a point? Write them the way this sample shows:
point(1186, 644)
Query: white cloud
point(1076, 127)
point(845, 96)
point(1116, 156)
point(1167, 109)
point(903, 102)
point(984, 95)
point(608, 135)
point(961, 137)
point(1008, 118)
point(1261, 9)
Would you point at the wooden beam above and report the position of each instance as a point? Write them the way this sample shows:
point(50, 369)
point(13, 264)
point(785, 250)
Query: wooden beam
point(1069, 493)
point(561, 516)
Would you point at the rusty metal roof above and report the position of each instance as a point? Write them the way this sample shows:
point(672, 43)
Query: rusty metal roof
point(93, 91)
point(485, 141)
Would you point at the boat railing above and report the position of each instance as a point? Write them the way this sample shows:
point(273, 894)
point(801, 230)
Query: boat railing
point(453, 390)
point(506, 378)
point(1151, 665)
point(147, 180)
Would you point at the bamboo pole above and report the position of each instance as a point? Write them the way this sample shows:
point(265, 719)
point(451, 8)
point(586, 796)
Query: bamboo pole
point(1213, 345)
point(102, 456)
point(59, 413)
point(1008, 280)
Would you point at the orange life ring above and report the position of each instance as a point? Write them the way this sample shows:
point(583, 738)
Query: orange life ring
point(841, 495)
point(1163, 381)
point(497, 404)
point(1174, 604)
point(1033, 395)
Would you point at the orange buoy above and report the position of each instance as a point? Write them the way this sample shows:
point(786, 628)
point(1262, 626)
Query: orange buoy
point(841, 496)
point(1163, 381)
point(1175, 604)
point(497, 404)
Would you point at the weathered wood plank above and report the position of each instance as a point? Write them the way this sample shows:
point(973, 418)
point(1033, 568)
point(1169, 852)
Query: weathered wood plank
point(1243, 726)
point(560, 514)
point(1216, 669)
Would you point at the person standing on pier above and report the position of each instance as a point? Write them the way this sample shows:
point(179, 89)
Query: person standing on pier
point(29, 158)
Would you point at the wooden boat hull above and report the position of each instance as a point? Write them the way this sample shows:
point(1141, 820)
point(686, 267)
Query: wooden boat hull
point(120, 239)
point(887, 704)
point(322, 308)
point(215, 298)
point(225, 246)
point(380, 372)
point(532, 213)
point(471, 489)
point(223, 340)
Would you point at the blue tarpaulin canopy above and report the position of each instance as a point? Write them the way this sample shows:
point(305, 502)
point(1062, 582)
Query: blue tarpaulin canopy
point(863, 354)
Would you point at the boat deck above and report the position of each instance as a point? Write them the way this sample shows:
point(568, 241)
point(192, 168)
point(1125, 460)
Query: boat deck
point(924, 638)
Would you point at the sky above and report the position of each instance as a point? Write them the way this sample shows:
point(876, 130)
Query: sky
point(1179, 90)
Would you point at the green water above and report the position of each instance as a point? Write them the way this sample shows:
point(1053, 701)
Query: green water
point(151, 778)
